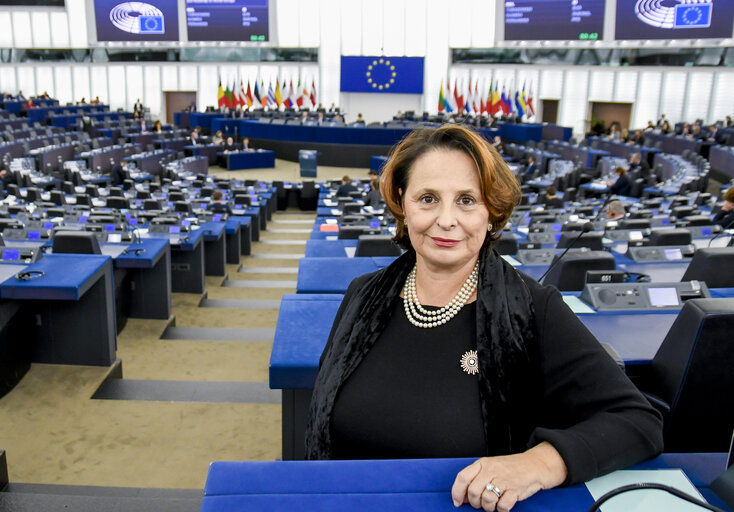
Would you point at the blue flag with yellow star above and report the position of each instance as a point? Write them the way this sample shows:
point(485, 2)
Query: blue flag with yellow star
point(403, 75)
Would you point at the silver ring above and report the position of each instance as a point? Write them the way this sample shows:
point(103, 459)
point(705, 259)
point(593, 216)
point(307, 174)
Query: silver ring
point(494, 489)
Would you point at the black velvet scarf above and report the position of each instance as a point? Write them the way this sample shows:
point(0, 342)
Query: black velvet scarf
point(506, 341)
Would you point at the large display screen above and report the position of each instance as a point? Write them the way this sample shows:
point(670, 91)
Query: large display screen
point(227, 20)
point(153, 20)
point(382, 74)
point(674, 19)
point(33, 3)
point(535, 20)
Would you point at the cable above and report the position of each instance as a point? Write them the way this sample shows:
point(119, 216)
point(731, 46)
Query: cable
point(648, 485)
point(585, 229)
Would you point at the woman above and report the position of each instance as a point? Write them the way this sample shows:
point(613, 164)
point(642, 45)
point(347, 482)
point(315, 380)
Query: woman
point(157, 127)
point(506, 371)
point(218, 139)
point(725, 216)
point(622, 185)
point(373, 198)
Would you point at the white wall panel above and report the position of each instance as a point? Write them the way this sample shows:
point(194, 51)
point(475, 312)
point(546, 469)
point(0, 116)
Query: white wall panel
point(7, 79)
point(6, 30)
point(351, 26)
point(625, 89)
point(372, 27)
point(187, 78)
point(22, 29)
point(551, 84)
point(698, 96)
point(574, 104)
point(45, 80)
point(394, 21)
point(459, 25)
point(673, 96)
point(80, 79)
point(208, 86)
point(287, 22)
point(602, 86)
point(436, 64)
point(482, 23)
point(99, 84)
point(415, 28)
point(169, 77)
point(64, 88)
point(27, 80)
point(41, 29)
point(118, 91)
point(152, 96)
point(227, 73)
point(77, 23)
point(60, 31)
point(248, 73)
point(134, 83)
point(723, 99)
point(327, 81)
point(646, 106)
point(309, 17)
point(378, 107)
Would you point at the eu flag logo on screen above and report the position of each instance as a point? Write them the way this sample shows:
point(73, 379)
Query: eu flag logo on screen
point(151, 25)
point(693, 15)
point(402, 75)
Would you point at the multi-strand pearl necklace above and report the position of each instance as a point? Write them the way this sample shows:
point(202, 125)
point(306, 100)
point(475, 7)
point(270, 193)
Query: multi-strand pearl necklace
point(421, 317)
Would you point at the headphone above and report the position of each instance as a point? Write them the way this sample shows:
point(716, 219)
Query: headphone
point(27, 275)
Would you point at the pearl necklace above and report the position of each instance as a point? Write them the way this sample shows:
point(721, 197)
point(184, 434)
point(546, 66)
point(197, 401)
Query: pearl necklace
point(421, 317)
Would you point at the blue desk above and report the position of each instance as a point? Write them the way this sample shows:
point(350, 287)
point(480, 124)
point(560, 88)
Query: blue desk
point(74, 290)
point(150, 274)
point(215, 248)
point(377, 163)
point(245, 239)
point(333, 275)
point(260, 159)
point(330, 248)
point(397, 485)
point(187, 260)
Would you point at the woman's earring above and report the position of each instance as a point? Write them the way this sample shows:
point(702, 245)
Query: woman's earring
point(489, 227)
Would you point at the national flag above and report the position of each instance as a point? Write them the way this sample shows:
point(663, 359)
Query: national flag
point(518, 105)
point(228, 102)
point(242, 97)
point(488, 102)
point(503, 101)
point(256, 94)
point(291, 99)
point(523, 102)
point(248, 95)
point(312, 96)
point(278, 97)
point(235, 94)
point(529, 101)
point(459, 99)
point(271, 94)
point(495, 104)
point(450, 102)
point(300, 91)
point(221, 98)
point(441, 99)
point(263, 95)
point(475, 99)
point(482, 103)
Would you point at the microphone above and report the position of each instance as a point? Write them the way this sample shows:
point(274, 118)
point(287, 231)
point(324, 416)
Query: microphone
point(585, 229)
point(601, 208)
point(725, 231)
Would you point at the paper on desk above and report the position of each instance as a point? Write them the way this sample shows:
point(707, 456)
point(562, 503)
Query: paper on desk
point(351, 251)
point(331, 221)
point(577, 305)
point(648, 499)
point(335, 211)
point(523, 229)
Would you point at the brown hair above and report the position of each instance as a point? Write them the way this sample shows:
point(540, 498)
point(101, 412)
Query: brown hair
point(729, 194)
point(217, 195)
point(499, 189)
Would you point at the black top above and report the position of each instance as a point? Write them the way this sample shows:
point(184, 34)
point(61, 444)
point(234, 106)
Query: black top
point(422, 404)
point(220, 208)
point(585, 406)
point(117, 175)
point(554, 202)
point(373, 198)
point(345, 189)
point(622, 186)
point(724, 219)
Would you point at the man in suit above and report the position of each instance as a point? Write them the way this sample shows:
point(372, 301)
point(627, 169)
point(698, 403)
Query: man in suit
point(531, 169)
point(697, 133)
point(194, 138)
point(636, 162)
point(246, 144)
point(6, 178)
point(551, 200)
point(715, 135)
point(118, 173)
point(218, 205)
point(346, 188)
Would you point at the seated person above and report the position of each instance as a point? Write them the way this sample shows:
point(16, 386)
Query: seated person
point(550, 199)
point(637, 138)
point(346, 187)
point(497, 143)
point(531, 169)
point(6, 178)
point(157, 127)
point(373, 197)
point(665, 128)
point(637, 163)
point(614, 210)
point(715, 135)
point(118, 173)
point(194, 138)
point(246, 144)
point(359, 120)
point(218, 205)
point(229, 145)
point(621, 187)
point(725, 216)
point(218, 139)
point(697, 133)
point(532, 395)
point(650, 127)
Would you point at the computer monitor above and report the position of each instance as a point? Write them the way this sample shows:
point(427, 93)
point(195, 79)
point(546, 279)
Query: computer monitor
point(589, 240)
point(713, 266)
point(569, 274)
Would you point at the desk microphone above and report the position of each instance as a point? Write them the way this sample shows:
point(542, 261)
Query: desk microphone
point(585, 229)
point(725, 231)
point(604, 204)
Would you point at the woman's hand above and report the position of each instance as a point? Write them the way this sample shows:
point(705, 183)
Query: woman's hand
point(515, 477)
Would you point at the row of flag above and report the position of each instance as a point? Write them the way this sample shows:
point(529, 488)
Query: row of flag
point(288, 96)
point(472, 100)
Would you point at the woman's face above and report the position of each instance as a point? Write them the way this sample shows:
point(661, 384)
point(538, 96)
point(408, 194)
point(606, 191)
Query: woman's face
point(447, 221)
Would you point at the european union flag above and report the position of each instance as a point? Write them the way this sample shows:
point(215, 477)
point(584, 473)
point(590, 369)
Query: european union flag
point(693, 15)
point(403, 75)
point(151, 25)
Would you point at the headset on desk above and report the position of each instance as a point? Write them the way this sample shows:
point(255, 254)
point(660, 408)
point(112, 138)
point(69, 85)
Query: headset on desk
point(27, 275)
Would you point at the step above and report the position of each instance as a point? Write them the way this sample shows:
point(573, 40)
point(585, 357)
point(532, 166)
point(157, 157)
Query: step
point(242, 304)
point(278, 256)
point(268, 270)
point(217, 334)
point(259, 284)
point(187, 391)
